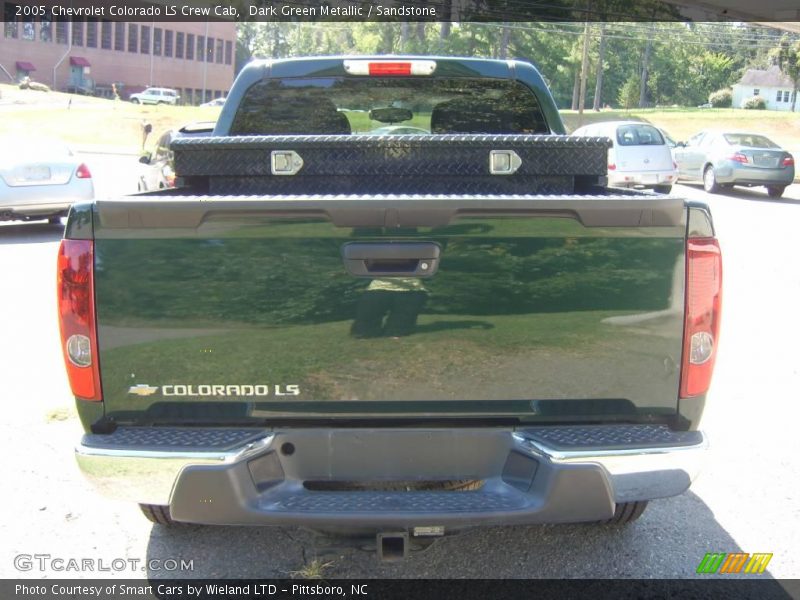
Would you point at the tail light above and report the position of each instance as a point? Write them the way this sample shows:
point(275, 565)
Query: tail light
point(703, 306)
point(83, 172)
point(612, 166)
point(77, 318)
point(738, 157)
point(389, 67)
point(788, 161)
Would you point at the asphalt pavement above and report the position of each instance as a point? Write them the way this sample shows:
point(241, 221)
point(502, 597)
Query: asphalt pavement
point(745, 500)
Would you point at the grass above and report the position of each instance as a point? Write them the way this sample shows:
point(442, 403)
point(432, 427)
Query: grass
point(313, 570)
point(91, 121)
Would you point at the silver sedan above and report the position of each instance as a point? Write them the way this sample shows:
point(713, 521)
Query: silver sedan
point(40, 179)
point(724, 159)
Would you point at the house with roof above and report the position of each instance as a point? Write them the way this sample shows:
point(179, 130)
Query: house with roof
point(773, 85)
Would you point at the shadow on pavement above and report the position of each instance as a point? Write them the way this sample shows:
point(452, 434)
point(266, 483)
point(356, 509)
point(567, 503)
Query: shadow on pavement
point(31, 233)
point(668, 542)
point(756, 194)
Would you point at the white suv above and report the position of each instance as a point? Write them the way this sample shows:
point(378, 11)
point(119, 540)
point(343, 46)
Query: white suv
point(155, 96)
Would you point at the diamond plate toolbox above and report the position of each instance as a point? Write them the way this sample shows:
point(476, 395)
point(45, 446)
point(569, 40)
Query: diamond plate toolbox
point(408, 163)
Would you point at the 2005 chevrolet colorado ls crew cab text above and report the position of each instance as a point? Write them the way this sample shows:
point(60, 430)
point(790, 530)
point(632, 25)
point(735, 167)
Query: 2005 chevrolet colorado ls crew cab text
point(389, 294)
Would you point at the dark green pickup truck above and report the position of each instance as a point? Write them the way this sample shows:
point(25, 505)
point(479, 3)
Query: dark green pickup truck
point(390, 294)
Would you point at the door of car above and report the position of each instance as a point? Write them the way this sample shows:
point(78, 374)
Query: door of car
point(690, 157)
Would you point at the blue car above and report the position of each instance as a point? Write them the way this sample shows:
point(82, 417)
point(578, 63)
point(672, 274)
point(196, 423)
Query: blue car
point(724, 159)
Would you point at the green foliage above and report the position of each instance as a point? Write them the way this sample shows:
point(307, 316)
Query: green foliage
point(755, 103)
point(721, 98)
point(629, 92)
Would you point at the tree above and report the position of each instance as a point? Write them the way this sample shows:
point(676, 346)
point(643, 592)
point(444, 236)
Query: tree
point(629, 92)
point(788, 57)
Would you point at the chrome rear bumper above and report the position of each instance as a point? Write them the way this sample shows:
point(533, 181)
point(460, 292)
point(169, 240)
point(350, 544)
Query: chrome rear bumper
point(526, 476)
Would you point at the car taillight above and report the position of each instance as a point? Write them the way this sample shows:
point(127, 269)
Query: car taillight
point(738, 157)
point(612, 166)
point(703, 307)
point(788, 161)
point(389, 67)
point(83, 172)
point(77, 319)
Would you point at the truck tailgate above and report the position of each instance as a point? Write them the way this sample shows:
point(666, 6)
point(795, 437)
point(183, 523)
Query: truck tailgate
point(531, 308)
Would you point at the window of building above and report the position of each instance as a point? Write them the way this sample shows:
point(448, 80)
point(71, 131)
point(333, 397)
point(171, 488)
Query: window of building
point(786, 95)
point(46, 29)
point(119, 37)
point(780, 96)
point(28, 29)
point(228, 52)
point(187, 96)
point(208, 96)
point(198, 96)
point(756, 92)
point(220, 49)
point(144, 47)
point(210, 50)
point(11, 29)
point(105, 35)
point(189, 46)
point(201, 47)
point(61, 31)
point(179, 44)
point(133, 37)
point(91, 34)
point(168, 43)
point(157, 34)
point(77, 32)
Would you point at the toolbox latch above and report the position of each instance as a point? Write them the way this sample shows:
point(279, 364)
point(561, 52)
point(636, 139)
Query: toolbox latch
point(504, 162)
point(286, 162)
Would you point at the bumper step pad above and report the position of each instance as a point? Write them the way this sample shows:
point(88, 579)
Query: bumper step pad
point(184, 439)
point(611, 437)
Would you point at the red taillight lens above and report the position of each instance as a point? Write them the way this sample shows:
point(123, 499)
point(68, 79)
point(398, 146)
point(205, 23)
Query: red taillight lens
point(83, 172)
point(390, 68)
point(612, 166)
point(738, 157)
point(76, 317)
point(703, 307)
point(788, 161)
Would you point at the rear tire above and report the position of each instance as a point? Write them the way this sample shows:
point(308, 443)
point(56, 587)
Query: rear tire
point(157, 514)
point(134, 100)
point(627, 512)
point(710, 181)
point(775, 191)
point(663, 189)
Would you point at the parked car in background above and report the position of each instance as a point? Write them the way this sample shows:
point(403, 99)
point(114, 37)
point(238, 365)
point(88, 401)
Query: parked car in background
point(722, 159)
point(639, 157)
point(214, 102)
point(159, 171)
point(155, 96)
point(40, 179)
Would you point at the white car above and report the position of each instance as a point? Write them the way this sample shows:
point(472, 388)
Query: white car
point(214, 102)
point(40, 179)
point(155, 96)
point(640, 155)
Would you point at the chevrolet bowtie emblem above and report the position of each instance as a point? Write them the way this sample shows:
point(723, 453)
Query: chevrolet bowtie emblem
point(142, 390)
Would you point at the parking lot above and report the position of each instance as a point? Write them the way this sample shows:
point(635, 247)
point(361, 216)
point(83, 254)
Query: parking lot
point(746, 499)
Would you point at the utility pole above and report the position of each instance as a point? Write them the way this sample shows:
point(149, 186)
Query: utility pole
point(584, 72)
point(598, 88)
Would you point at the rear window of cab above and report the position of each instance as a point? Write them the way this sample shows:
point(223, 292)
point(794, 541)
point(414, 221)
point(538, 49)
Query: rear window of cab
point(348, 105)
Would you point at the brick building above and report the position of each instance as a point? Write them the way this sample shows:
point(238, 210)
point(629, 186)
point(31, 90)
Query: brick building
point(195, 58)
